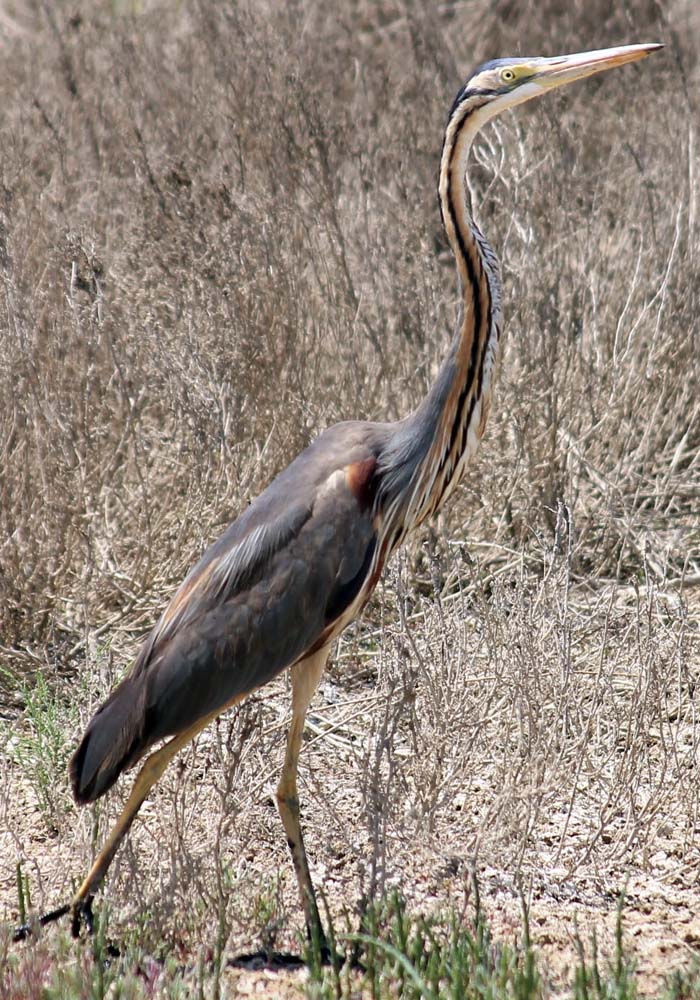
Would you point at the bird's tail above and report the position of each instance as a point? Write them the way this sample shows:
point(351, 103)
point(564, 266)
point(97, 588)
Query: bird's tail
point(113, 741)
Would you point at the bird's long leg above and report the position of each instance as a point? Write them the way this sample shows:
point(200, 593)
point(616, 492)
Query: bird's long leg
point(305, 678)
point(150, 772)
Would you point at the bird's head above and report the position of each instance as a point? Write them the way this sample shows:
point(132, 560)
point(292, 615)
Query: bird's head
point(504, 83)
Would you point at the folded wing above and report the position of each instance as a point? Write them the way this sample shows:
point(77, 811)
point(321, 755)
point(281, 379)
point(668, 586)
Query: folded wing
point(264, 595)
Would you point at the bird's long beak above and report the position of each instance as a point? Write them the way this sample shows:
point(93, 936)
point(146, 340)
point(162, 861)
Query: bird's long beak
point(554, 72)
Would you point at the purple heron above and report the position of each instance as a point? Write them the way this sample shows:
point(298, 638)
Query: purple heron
point(298, 565)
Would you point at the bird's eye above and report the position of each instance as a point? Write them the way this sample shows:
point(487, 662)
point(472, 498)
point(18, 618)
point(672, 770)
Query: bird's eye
point(507, 75)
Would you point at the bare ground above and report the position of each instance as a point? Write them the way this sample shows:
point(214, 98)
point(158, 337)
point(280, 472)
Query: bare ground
point(567, 783)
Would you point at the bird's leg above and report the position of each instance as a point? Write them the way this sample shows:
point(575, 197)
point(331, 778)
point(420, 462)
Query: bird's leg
point(305, 678)
point(150, 772)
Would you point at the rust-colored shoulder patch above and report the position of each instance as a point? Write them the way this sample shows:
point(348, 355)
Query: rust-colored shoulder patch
point(360, 479)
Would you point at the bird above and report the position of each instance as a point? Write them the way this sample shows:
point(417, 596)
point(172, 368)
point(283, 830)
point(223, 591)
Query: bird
point(275, 591)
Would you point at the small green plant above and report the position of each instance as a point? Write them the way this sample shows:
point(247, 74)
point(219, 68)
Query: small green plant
point(268, 914)
point(24, 899)
point(400, 954)
point(684, 984)
point(56, 967)
point(397, 953)
point(39, 745)
point(615, 981)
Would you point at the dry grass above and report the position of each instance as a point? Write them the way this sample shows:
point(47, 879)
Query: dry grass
point(218, 235)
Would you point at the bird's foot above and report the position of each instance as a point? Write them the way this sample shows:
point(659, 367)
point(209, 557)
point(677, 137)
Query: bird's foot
point(81, 912)
point(82, 915)
point(26, 930)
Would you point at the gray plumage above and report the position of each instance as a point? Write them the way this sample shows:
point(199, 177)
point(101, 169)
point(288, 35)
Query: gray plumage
point(290, 573)
point(258, 600)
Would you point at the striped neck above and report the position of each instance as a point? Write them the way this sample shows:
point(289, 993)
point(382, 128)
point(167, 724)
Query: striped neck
point(429, 450)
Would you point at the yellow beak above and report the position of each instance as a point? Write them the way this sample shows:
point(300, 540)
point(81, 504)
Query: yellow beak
point(564, 69)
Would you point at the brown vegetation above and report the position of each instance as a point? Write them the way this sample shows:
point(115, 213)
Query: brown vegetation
point(218, 235)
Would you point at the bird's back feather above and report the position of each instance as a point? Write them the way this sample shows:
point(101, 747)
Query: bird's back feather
point(270, 590)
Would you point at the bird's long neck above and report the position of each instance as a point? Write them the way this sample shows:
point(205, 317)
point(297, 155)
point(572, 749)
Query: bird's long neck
point(430, 448)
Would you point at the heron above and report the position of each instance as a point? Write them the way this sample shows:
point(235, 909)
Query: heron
point(299, 564)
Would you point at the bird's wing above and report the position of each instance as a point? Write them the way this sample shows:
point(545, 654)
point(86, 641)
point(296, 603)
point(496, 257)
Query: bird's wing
point(269, 591)
point(280, 583)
